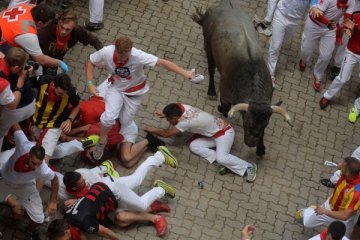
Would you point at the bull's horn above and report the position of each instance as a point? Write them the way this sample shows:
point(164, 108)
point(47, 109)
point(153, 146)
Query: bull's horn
point(241, 107)
point(282, 111)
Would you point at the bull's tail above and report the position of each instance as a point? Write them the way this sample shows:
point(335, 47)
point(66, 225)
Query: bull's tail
point(198, 17)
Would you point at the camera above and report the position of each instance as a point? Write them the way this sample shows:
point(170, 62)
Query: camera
point(31, 63)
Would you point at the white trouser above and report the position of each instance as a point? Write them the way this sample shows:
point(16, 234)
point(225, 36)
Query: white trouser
point(312, 220)
point(96, 11)
point(10, 117)
point(271, 6)
point(121, 106)
point(335, 177)
point(123, 187)
point(357, 104)
point(66, 149)
point(202, 147)
point(313, 33)
point(340, 51)
point(350, 60)
point(13, 3)
point(282, 27)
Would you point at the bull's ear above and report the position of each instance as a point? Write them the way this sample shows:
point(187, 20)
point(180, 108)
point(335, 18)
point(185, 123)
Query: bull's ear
point(283, 112)
point(241, 107)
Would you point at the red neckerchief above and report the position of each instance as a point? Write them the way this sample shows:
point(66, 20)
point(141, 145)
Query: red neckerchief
point(61, 42)
point(323, 234)
point(182, 108)
point(4, 68)
point(52, 97)
point(75, 233)
point(21, 164)
point(78, 193)
point(117, 62)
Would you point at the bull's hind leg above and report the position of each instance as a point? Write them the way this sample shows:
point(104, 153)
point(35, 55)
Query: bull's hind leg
point(224, 108)
point(211, 68)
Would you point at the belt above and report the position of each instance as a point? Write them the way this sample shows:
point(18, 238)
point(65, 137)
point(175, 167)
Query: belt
point(136, 87)
point(221, 132)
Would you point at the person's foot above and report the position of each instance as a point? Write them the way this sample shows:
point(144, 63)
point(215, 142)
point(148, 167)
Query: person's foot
point(316, 84)
point(300, 214)
point(353, 115)
point(98, 151)
point(264, 28)
point(302, 65)
point(160, 226)
point(110, 169)
point(324, 103)
point(93, 26)
point(169, 158)
point(223, 170)
point(154, 142)
point(90, 141)
point(158, 206)
point(327, 183)
point(169, 190)
point(251, 173)
point(334, 72)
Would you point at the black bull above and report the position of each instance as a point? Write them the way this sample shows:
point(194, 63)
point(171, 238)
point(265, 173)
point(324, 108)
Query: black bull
point(231, 45)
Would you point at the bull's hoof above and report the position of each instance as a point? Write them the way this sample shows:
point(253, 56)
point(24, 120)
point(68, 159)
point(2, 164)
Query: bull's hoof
point(223, 111)
point(260, 152)
point(212, 97)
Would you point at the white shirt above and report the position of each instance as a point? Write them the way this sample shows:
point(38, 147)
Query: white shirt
point(197, 121)
point(6, 96)
point(332, 12)
point(131, 74)
point(23, 146)
point(317, 237)
point(295, 9)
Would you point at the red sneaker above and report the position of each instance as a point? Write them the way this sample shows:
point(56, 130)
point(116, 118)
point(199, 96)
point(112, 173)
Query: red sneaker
point(302, 65)
point(161, 226)
point(158, 206)
point(317, 85)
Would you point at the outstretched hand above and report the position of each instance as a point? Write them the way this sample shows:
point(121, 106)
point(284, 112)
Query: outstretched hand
point(159, 114)
point(247, 231)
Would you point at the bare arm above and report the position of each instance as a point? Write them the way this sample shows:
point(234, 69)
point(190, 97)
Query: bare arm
point(162, 133)
point(17, 94)
point(89, 71)
point(66, 125)
point(107, 233)
point(341, 215)
point(174, 68)
point(52, 205)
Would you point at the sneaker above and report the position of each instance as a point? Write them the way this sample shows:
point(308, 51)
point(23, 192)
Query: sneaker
point(161, 226)
point(169, 158)
point(98, 151)
point(222, 170)
point(264, 28)
point(302, 65)
point(158, 206)
point(110, 169)
point(327, 183)
point(353, 115)
point(154, 142)
point(300, 213)
point(324, 103)
point(334, 72)
point(66, 3)
point(90, 141)
point(316, 85)
point(251, 173)
point(93, 26)
point(169, 190)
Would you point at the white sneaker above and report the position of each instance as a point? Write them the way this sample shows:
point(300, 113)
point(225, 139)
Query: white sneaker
point(197, 77)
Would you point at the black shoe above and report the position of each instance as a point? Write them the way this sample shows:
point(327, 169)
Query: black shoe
point(223, 170)
point(327, 183)
point(334, 72)
point(154, 142)
point(324, 103)
point(93, 26)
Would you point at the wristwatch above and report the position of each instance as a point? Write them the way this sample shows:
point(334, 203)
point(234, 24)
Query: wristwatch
point(20, 89)
point(71, 120)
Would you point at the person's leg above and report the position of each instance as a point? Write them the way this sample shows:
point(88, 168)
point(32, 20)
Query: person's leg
point(128, 112)
point(271, 6)
point(345, 73)
point(134, 180)
point(356, 231)
point(48, 139)
point(15, 206)
point(326, 48)
point(96, 12)
point(67, 148)
point(202, 147)
point(223, 156)
point(309, 40)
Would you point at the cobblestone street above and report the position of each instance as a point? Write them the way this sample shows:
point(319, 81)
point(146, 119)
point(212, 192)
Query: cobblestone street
point(289, 173)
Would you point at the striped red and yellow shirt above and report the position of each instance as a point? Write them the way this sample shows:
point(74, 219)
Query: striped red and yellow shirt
point(346, 195)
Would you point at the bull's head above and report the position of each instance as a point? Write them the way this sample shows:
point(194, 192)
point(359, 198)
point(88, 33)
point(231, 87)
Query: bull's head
point(256, 117)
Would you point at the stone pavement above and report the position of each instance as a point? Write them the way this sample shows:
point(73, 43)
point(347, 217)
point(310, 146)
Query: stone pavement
point(288, 176)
